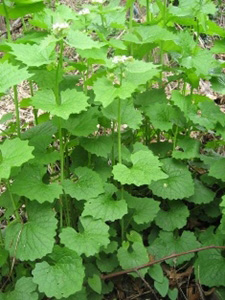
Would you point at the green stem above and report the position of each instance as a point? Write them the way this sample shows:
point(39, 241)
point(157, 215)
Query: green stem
point(148, 11)
point(184, 88)
point(1, 239)
point(24, 24)
point(158, 135)
point(146, 131)
point(119, 149)
point(162, 44)
point(89, 160)
point(58, 102)
point(101, 14)
point(198, 30)
point(162, 63)
point(131, 28)
point(9, 37)
point(35, 111)
point(16, 103)
point(12, 201)
point(131, 18)
point(61, 150)
point(175, 138)
point(59, 69)
point(113, 148)
point(119, 131)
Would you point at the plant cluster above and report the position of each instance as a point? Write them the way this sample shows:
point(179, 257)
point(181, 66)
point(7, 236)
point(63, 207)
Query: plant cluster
point(123, 163)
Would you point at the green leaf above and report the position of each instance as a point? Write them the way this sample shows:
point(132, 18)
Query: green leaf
point(173, 218)
point(146, 167)
point(219, 47)
point(45, 79)
point(35, 55)
point(203, 62)
point(6, 202)
point(151, 34)
point(6, 117)
point(217, 169)
point(135, 74)
point(210, 268)
point(81, 40)
point(216, 166)
point(194, 8)
point(129, 115)
point(107, 263)
point(90, 238)
point(72, 102)
point(3, 256)
point(84, 123)
point(131, 258)
point(161, 116)
point(188, 148)
point(100, 146)
point(185, 104)
point(20, 10)
point(179, 183)
point(14, 153)
point(173, 294)
point(156, 273)
point(29, 183)
point(33, 239)
point(95, 283)
point(186, 42)
point(167, 244)
point(218, 84)
point(63, 277)
point(202, 194)
point(42, 155)
point(161, 149)
point(104, 207)
point(46, 128)
point(11, 75)
point(82, 295)
point(162, 287)
point(86, 186)
point(25, 289)
point(211, 111)
point(94, 55)
point(145, 209)
point(149, 97)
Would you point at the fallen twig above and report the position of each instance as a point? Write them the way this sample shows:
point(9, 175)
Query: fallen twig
point(151, 263)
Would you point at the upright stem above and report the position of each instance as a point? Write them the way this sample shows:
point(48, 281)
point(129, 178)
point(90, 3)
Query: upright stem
point(131, 18)
point(58, 102)
point(120, 148)
point(16, 103)
point(59, 69)
point(61, 152)
point(162, 44)
point(148, 10)
point(113, 148)
point(119, 131)
point(175, 138)
point(9, 37)
point(24, 24)
point(120, 159)
point(131, 27)
point(1, 238)
point(12, 200)
point(35, 111)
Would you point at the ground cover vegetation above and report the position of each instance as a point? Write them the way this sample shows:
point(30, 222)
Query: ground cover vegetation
point(124, 162)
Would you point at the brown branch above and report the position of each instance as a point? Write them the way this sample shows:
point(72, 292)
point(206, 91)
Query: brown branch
point(151, 263)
